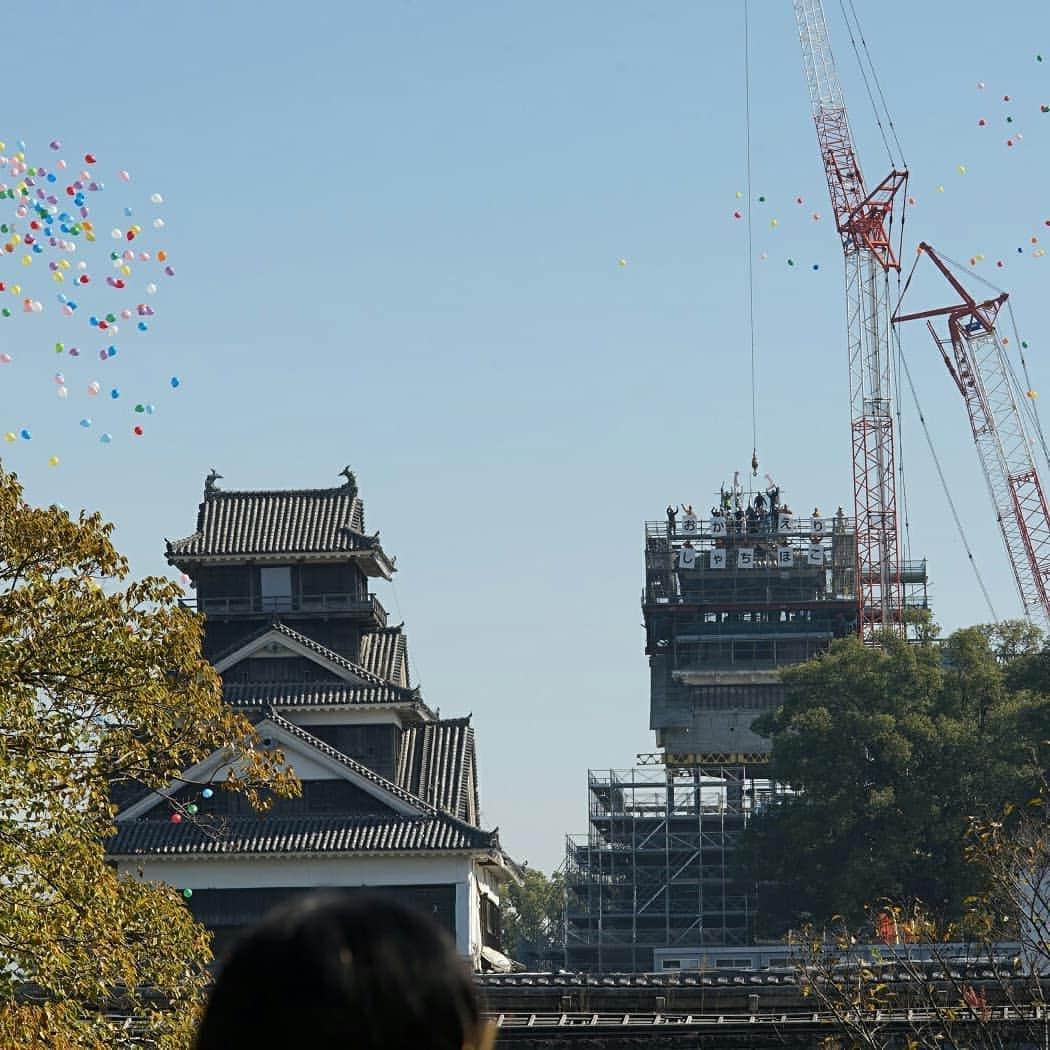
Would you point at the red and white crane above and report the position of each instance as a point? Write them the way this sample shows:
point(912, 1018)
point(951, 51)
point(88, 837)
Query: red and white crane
point(977, 360)
point(864, 220)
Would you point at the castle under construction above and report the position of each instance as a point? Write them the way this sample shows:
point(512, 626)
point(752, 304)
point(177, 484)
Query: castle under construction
point(731, 596)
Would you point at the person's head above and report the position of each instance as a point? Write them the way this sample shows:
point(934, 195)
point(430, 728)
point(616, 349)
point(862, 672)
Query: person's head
point(349, 972)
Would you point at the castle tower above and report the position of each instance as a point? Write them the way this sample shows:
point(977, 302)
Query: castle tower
point(305, 650)
point(731, 596)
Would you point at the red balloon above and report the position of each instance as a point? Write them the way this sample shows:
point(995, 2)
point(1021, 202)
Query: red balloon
point(176, 818)
point(89, 158)
point(139, 431)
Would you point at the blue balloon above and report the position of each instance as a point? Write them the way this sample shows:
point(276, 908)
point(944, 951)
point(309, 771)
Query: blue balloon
point(111, 351)
point(175, 382)
point(106, 439)
point(85, 422)
point(114, 393)
point(207, 793)
point(24, 432)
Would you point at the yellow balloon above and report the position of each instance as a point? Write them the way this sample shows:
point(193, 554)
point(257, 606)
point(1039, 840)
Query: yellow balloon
point(962, 169)
point(63, 264)
point(16, 238)
point(53, 461)
point(9, 436)
point(16, 289)
point(26, 260)
point(56, 276)
point(89, 235)
point(125, 270)
point(621, 262)
point(940, 189)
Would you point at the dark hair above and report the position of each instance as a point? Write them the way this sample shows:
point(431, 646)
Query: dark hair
point(353, 972)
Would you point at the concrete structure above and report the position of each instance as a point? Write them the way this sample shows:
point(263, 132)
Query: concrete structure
point(390, 791)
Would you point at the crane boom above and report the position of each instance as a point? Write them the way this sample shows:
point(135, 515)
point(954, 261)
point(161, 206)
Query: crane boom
point(980, 369)
point(863, 221)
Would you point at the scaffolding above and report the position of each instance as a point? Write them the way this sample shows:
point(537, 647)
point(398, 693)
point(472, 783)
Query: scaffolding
point(729, 600)
point(654, 869)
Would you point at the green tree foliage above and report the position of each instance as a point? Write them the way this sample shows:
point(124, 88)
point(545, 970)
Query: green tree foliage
point(934, 998)
point(101, 683)
point(532, 918)
point(891, 752)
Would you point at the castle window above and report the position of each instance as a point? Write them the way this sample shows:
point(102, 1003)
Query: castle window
point(275, 586)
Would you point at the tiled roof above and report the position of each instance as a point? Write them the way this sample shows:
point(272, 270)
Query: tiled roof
point(385, 653)
point(324, 834)
point(301, 521)
point(316, 647)
point(314, 694)
point(436, 763)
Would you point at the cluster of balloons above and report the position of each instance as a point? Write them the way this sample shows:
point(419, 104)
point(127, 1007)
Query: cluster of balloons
point(774, 223)
point(82, 294)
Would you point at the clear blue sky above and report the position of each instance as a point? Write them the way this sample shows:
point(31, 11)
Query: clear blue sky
point(396, 227)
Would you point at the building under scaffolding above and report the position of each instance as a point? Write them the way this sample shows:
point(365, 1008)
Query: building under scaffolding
point(728, 601)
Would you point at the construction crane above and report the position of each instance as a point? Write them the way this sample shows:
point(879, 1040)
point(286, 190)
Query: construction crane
point(977, 360)
point(864, 221)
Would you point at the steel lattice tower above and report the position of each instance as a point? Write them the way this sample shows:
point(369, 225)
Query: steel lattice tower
point(863, 221)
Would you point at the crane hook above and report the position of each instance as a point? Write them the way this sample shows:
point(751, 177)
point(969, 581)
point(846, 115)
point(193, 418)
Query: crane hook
point(754, 463)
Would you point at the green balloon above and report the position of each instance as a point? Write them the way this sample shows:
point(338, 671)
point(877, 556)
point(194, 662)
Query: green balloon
point(187, 893)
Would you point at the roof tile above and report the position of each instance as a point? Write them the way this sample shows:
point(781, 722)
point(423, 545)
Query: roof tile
point(299, 521)
point(323, 834)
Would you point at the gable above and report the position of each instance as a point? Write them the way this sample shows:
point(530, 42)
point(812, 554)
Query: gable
point(311, 759)
point(279, 645)
point(326, 796)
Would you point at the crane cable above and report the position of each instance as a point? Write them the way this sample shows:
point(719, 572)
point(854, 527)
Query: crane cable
point(750, 237)
point(944, 481)
point(885, 110)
